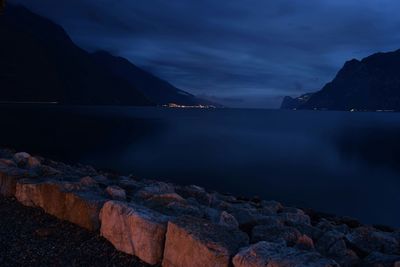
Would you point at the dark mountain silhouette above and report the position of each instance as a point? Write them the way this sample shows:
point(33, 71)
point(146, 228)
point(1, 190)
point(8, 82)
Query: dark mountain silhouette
point(370, 84)
point(295, 102)
point(154, 88)
point(39, 62)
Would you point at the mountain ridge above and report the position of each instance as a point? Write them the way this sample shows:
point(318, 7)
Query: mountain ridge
point(370, 84)
point(158, 90)
point(41, 63)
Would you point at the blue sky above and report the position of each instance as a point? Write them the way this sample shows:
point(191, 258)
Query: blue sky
point(240, 53)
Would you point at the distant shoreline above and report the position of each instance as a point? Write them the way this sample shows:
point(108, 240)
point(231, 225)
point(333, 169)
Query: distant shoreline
point(28, 102)
point(183, 107)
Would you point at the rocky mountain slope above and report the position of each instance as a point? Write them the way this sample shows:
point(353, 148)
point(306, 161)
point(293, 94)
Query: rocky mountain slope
point(157, 90)
point(40, 63)
point(295, 102)
point(370, 84)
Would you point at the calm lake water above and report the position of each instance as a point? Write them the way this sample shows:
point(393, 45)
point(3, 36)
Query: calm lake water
point(338, 162)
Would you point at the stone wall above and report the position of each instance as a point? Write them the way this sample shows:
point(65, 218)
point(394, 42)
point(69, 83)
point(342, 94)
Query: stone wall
point(181, 226)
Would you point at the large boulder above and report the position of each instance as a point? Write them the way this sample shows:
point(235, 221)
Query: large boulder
point(332, 244)
point(272, 205)
point(9, 177)
point(309, 230)
point(199, 243)
point(305, 243)
point(245, 216)
point(265, 254)
point(248, 216)
point(220, 217)
point(196, 192)
point(62, 200)
point(134, 229)
point(292, 210)
point(294, 218)
point(116, 192)
point(25, 160)
point(130, 185)
point(368, 240)
point(326, 226)
point(7, 163)
point(276, 234)
point(155, 188)
point(88, 181)
point(228, 220)
point(377, 259)
point(47, 171)
point(167, 198)
point(173, 205)
point(212, 214)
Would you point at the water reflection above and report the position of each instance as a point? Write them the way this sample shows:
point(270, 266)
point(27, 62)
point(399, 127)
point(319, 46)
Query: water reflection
point(376, 146)
point(339, 162)
point(72, 134)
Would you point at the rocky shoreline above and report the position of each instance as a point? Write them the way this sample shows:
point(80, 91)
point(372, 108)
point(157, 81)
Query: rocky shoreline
point(179, 226)
point(30, 237)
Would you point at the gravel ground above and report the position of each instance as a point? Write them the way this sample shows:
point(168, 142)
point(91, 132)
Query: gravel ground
point(29, 237)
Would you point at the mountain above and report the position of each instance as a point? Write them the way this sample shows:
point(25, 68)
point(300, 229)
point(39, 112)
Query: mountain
point(370, 84)
point(40, 63)
point(154, 88)
point(294, 103)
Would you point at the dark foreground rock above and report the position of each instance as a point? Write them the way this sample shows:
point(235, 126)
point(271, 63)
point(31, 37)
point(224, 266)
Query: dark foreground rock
point(30, 237)
point(368, 240)
point(278, 255)
point(377, 259)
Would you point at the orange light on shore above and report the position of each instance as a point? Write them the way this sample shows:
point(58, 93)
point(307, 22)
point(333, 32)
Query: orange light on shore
point(173, 105)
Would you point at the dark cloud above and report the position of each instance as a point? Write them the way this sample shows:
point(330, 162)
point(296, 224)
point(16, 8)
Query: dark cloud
point(243, 53)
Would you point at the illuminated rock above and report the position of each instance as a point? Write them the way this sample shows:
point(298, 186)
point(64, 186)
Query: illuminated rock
point(199, 243)
point(9, 177)
point(305, 243)
point(62, 200)
point(134, 229)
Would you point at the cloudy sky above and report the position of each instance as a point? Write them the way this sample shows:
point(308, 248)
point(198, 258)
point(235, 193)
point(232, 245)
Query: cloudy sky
point(242, 53)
